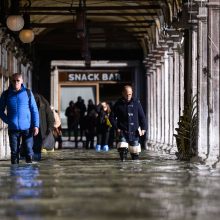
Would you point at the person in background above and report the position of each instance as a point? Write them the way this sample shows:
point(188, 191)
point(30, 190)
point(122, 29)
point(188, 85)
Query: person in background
point(90, 128)
point(82, 109)
point(73, 115)
point(69, 113)
point(22, 117)
point(46, 124)
point(103, 126)
point(91, 106)
point(57, 130)
point(129, 121)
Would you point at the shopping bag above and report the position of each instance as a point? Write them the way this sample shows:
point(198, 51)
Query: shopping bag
point(48, 142)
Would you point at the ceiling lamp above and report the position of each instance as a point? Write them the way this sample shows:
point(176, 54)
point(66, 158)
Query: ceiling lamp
point(15, 22)
point(81, 20)
point(26, 35)
point(85, 52)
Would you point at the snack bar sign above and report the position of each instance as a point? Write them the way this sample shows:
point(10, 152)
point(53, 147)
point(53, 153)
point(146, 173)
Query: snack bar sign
point(94, 77)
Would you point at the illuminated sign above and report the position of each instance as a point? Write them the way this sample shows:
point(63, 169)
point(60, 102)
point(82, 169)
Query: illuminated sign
point(94, 77)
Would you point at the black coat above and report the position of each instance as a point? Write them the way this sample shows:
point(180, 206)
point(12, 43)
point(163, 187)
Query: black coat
point(46, 115)
point(128, 116)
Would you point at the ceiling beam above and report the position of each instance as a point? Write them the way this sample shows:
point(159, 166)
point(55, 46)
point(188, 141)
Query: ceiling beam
point(133, 14)
point(91, 23)
point(93, 8)
point(67, 25)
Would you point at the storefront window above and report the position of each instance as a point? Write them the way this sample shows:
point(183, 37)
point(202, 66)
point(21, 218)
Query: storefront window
point(71, 93)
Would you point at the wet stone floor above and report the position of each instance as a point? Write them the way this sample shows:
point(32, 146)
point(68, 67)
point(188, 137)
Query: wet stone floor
point(81, 184)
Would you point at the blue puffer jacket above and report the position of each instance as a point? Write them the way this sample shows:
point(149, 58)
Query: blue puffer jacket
point(22, 113)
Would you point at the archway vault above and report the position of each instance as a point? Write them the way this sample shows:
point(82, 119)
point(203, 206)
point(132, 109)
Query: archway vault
point(111, 24)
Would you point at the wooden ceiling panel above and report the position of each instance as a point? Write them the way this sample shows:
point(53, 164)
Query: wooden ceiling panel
point(53, 21)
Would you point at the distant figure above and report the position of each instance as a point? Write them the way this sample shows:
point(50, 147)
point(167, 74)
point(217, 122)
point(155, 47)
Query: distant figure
point(22, 117)
point(130, 123)
point(103, 127)
point(90, 128)
point(82, 109)
point(73, 115)
point(69, 113)
point(57, 130)
point(91, 106)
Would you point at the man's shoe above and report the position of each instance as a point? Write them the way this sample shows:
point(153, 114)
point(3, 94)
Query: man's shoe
point(134, 156)
point(28, 159)
point(14, 161)
point(123, 153)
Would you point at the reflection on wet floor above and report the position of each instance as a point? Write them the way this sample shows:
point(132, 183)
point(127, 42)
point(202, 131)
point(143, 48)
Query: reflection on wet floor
point(84, 184)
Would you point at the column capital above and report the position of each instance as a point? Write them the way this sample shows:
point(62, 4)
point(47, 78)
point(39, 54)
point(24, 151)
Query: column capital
point(170, 43)
point(158, 64)
point(157, 56)
point(203, 13)
point(213, 4)
point(153, 59)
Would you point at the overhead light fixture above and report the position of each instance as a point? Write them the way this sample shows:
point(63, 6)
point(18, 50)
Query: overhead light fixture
point(26, 35)
point(81, 19)
point(15, 22)
point(82, 32)
point(85, 52)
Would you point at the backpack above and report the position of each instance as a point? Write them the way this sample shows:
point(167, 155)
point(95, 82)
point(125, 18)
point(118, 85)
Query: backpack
point(7, 91)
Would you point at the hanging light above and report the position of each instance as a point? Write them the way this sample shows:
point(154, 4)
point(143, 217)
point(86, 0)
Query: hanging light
point(15, 22)
point(81, 20)
point(85, 52)
point(26, 35)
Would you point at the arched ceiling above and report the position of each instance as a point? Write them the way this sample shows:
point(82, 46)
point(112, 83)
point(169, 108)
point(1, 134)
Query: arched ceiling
point(111, 24)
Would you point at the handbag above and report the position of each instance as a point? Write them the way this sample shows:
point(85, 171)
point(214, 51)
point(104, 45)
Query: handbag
point(57, 132)
point(48, 142)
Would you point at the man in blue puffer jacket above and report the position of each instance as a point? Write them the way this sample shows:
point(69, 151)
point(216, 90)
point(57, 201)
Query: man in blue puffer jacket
point(22, 117)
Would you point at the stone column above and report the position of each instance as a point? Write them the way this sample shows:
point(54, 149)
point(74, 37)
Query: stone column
point(194, 60)
point(203, 136)
point(152, 110)
point(158, 99)
point(176, 94)
point(166, 100)
point(162, 115)
point(1, 90)
point(170, 97)
point(154, 106)
point(54, 81)
point(181, 73)
point(4, 141)
point(148, 104)
point(213, 80)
